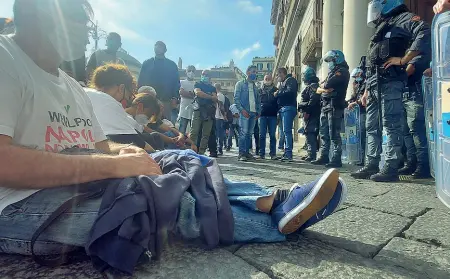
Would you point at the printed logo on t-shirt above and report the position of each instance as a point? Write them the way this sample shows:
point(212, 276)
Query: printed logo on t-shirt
point(64, 132)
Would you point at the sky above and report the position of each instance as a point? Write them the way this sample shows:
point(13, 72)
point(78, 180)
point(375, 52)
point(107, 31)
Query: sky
point(204, 33)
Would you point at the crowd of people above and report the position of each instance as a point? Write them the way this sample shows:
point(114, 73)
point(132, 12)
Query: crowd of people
point(103, 167)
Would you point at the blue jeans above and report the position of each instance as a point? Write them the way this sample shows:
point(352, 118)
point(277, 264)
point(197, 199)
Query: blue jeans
point(233, 132)
point(220, 133)
point(184, 123)
point(267, 123)
point(282, 139)
point(287, 115)
point(247, 126)
point(250, 225)
point(19, 221)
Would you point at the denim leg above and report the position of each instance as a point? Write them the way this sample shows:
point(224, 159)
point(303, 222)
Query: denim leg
point(373, 131)
point(256, 135)
point(281, 132)
point(272, 125)
point(184, 123)
point(220, 133)
point(20, 220)
point(288, 115)
point(262, 135)
point(244, 124)
point(251, 225)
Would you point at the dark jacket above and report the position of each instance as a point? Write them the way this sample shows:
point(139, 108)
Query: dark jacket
point(269, 106)
point(206, 107)
point(136, 212)
point(358, 92)
point(161, 74)
point(287, 94)
point(310, 103)
point(337, 80)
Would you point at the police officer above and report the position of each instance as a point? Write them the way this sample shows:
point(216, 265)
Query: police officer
point(310, 107)
point(400, 36)
point(415, 139)
point(359, 87)
point(333, 92)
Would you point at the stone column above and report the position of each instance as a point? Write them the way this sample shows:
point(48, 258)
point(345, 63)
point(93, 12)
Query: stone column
point(332, 28)
point(356, 34)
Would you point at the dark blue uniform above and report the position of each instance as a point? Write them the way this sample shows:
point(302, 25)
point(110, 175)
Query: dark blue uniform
point(414, 121)
point(310, 107)
point(392, 38)
point(333, 105)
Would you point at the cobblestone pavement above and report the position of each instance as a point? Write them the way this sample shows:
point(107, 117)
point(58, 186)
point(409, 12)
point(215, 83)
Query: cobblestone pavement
point(395, 230)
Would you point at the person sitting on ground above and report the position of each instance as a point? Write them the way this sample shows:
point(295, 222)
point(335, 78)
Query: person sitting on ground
point(112, 84)
point(32, 172)
point(148, 90)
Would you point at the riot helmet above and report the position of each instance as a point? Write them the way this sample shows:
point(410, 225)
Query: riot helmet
point(334, 58)
point(357, 74)
point(308, 75)
point(378, 8)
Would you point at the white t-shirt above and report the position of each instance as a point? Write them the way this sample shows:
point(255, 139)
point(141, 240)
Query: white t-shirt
point(186, 108)
point(110, 114)
point(221, 99)
point(41, 111)
point(251, 96)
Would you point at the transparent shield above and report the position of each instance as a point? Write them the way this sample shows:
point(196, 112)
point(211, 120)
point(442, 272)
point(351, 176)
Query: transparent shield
point(427, 92)
point(441, 109)
point(353, 135)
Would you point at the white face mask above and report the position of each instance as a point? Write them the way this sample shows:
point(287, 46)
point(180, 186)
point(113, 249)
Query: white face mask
point(141, 119)
point(70, 40)
point(190, 75)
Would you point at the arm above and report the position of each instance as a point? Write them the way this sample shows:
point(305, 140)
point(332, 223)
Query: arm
point(291, 86)
point(110, 147)
point(237, 95)
point(186, 94)
point(200, 94)
point(258, 101)
point(176, 82)
point(143, 75)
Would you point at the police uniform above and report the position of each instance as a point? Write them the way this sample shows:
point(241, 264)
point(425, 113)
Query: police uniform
point(414, 122)
point(392, 38)
point(332, 114)
point(310, 107)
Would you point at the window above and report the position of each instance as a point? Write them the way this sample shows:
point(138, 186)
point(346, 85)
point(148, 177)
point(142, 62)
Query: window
point(259, 66)
point(269, 67)
point(228, 83)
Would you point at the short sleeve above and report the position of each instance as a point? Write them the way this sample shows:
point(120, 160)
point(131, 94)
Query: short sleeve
point(99, 135)
point(11, 104)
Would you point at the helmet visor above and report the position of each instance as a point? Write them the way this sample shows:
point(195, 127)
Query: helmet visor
point(374, 12)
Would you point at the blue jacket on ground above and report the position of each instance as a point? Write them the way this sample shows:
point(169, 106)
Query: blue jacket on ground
point(241, 96)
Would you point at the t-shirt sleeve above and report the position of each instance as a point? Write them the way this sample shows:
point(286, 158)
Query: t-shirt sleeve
point(11, 104)
point(99, 135)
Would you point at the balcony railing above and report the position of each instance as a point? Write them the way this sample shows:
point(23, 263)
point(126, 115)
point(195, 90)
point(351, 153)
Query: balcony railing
point(312, 42)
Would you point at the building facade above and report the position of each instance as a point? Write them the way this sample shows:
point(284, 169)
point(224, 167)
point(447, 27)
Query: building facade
point(226, 76)
point(306, 29)
point(264, 66)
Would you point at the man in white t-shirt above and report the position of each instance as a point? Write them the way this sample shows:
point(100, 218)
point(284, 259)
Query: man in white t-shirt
point(187, 98)
point(220, 118)
point(43, 112)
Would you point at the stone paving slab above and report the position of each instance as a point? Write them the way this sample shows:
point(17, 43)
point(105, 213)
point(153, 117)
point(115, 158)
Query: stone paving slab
point(187, 261)
point(359, 230)
point(417, 257)
point(433, 227)
point(313, 259)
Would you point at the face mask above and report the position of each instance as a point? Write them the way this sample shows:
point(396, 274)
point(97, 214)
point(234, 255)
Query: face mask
point(69, 42)
point(358, 79)
point(252, 76)
point(190, 75)
point(205, 79)
point(141, 119)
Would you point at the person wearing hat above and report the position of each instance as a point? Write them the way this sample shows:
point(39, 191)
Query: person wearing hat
point(161, 73)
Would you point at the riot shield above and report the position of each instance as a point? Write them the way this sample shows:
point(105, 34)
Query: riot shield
point(427, 92)
point(441, 96)
point(353, 135)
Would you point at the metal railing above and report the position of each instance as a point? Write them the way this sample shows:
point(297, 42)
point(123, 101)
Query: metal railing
point(313, 38)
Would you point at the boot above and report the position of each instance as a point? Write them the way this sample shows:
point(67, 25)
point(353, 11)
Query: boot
point(322, 161)
point(366, 172)
point(422, 172)
point(308, 158)
point(409, 168)
point(387, 174)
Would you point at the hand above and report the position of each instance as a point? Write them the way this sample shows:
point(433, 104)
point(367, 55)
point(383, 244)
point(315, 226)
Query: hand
point(180, 140)
point(441, 6)
point(245, 113)
point(364, 98)
point(352, 105)
point(428, 72)
point(393, 61)
point(134, 164)
point(132, 149)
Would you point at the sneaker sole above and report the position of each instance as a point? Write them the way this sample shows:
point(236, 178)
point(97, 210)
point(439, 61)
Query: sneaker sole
point(316, 200)
point(343, 195)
